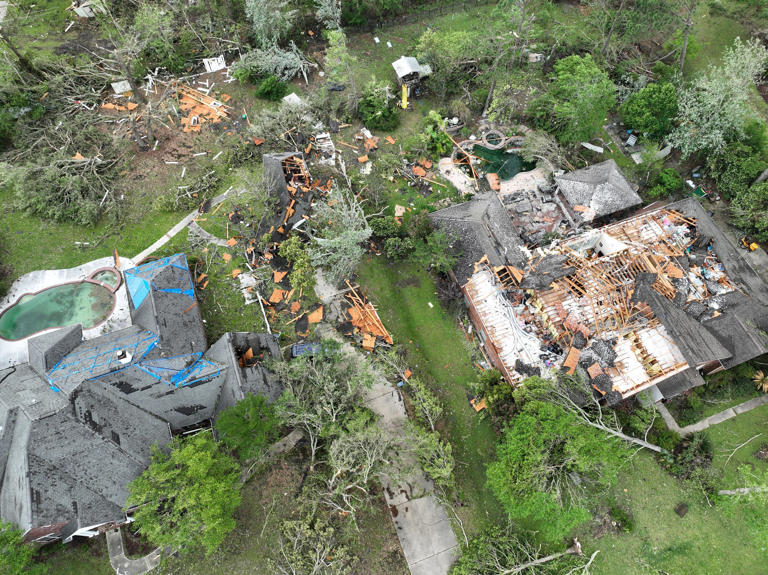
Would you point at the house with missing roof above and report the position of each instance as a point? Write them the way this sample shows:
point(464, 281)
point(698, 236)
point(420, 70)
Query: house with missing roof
point(652, 302)
point(77, 420)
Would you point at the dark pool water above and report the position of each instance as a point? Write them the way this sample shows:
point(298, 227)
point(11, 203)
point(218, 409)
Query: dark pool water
point(68, 304)
point(504, 164)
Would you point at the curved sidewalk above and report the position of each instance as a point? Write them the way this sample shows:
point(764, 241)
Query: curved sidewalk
point(124, 566)
point(705, 423)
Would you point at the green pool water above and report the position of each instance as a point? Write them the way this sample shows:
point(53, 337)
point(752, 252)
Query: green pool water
point(502, 163)
point(84, 302)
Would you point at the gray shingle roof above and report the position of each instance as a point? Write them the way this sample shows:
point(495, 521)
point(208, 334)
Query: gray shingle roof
point(479, 227)
point(76, 424)
point(601, 188)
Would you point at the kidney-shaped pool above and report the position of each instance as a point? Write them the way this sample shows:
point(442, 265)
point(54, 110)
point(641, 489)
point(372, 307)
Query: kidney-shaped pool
point(88, 302)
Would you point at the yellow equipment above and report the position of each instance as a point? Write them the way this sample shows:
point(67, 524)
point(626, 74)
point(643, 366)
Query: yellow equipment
point(405, 97)
point(748, 244)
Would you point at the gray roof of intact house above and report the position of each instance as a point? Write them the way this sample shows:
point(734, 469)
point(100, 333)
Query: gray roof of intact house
point(597, 191)
point(77, 421)
point(479, 227)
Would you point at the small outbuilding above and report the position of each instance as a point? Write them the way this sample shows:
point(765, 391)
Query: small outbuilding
point(409, 71)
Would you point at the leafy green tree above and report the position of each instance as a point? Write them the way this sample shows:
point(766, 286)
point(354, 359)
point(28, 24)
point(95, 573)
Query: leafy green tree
point(714, 109)
point(750, 211)
point(329, 13)
point(428, 408)
point(499, 550)
point(497, 393)
point(667, 183)
point(577, 101)
point(450, 55)
point(187, 497)
point(17, 557)
point(652, 110)
point(435, 455)
point(302, 276)
point(398, 248)
point(341, 232)
point(433, 136)
point(320, 393)
point(376, 108)
point(545, 463)
point(735, 168)
point(271, 89)
point(248, 427)
point(271, 20)
point(310, 546)
point(435, 251)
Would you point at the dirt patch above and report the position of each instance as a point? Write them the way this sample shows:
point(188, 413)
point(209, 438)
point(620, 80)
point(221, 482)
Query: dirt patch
point(134, 545)
point(762, 453)
point(681, 509)
point(409, 282)
point(763, 89)
point(605, 525)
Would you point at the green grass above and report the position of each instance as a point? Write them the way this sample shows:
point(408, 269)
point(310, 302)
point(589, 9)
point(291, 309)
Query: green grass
point(271, 497)
point(82, 557)
point(708, 540)
point(438, 352)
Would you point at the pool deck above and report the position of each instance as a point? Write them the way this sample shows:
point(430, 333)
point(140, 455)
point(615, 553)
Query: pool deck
point(15, 352)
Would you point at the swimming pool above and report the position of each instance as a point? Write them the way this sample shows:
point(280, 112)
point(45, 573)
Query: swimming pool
point(506, 165)
point(88, 302)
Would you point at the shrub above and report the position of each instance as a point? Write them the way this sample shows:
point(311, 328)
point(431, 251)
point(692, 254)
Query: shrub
point(271, 89)
point(398, 248)
point(376, 107)
point(667, 183)
point(385, 227)
point(651, 110)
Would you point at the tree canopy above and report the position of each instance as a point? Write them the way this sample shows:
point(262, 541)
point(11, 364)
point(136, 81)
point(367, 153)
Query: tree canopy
point(544, 461)
point(17, 557)
point(750, 211)
point(248, 427)
point(577, 100)
point(714, 109)
point(188, 495)
point(652, 110)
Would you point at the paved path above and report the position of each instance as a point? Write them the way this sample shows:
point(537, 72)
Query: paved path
point(195, 229)
point(712, 419)
point(178, 227)
point(423, 526)
point(124, 566)
point(3, 9)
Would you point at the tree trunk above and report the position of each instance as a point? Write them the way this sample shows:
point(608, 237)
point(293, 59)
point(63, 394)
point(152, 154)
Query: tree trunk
point(688, 24)
point(574, 549)
point(613, 27)
point(625, 437)
point(489, 98)
point(742, 491)
point(26, 64)
point(125, 66)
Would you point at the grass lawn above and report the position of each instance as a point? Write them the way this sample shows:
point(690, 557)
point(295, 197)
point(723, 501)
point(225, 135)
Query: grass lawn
point(438, 353)
point(707, 539)
point(268, 499)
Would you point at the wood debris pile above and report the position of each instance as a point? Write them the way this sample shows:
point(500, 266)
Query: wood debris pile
point(364, 321)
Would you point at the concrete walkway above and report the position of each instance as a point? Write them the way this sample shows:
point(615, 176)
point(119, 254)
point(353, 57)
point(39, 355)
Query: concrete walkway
point(423, 526)
point(196, 230)
point(167, 236)
point(712, 419)
point(124, 566)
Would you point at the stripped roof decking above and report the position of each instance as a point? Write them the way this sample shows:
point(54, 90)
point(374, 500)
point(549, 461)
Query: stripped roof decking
point(509, 339)
point(626, 288)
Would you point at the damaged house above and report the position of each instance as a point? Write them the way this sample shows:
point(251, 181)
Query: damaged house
point(649, 303)
point(596, 191)
point(77, 420)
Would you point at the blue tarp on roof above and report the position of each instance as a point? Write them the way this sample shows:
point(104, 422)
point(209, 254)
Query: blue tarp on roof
point(140, 280)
